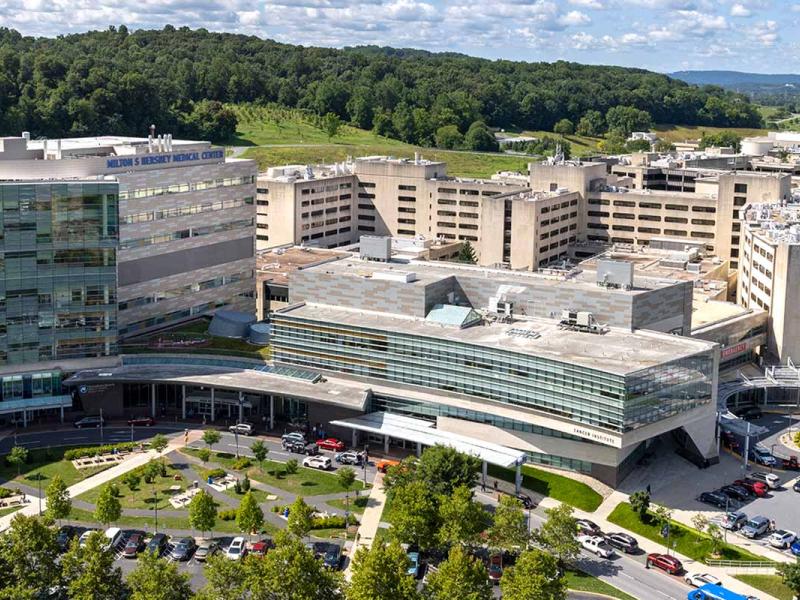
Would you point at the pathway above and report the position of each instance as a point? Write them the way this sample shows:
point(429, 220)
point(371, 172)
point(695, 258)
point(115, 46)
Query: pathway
point(370, 519)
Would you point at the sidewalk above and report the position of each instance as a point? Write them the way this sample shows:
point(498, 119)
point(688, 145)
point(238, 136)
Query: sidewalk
point(370, 520)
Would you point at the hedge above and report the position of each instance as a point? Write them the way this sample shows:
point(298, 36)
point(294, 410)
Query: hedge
point(88, 451)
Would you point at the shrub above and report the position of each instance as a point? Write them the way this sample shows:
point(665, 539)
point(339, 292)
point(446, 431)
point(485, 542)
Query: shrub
point(113, 489)
point(227, 515)
point(5, 493)
point(225, 455)
point(237, 487)
point(246, 484)
point(331, 522)
point(291, 466)
point(215, 473)
point(242, 463)
point(86, 452)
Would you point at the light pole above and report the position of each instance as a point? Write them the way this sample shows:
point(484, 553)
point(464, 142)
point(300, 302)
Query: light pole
point(155, 503)
point(39, 485)
point(131, 431)
point(101, 425)
point(366, 460)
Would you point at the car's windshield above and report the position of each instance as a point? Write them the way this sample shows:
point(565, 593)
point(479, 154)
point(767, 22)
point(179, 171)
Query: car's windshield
point(755, 524)
point(234, 550)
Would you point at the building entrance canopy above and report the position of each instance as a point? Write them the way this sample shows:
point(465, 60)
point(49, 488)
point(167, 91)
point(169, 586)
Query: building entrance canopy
point(425, 433)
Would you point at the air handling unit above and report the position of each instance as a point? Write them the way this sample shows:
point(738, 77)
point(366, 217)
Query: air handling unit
point(615, 274)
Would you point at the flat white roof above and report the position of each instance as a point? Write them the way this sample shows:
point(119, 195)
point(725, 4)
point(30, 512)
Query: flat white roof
point(425, 433)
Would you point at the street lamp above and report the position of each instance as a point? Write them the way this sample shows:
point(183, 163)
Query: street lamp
point(155, 503)
point(366, 460)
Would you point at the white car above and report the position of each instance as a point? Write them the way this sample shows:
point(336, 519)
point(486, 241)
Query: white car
point(596, 544)
point(236, 550)
point(318, 462)
point(701, 579)
point(782, 538)
point(241, 428)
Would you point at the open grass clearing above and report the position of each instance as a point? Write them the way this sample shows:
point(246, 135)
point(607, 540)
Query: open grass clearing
point(357, 505)
point(771, 584)
point(583, 582)
point(44, 464)
point(683, 539)
point(680, 133)
point(561, 488)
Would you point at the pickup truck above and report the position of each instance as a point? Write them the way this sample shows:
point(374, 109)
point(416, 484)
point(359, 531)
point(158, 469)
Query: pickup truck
point(597, 545)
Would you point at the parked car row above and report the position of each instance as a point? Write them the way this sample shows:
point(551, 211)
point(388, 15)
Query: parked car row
point(757, 485)
point(96, 421)
point(592, 538)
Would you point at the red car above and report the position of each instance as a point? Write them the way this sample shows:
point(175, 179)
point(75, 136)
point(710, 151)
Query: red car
point(261, 547)
point(331, 444)
point(141, 421)
point(670, 564)
point(758, 488)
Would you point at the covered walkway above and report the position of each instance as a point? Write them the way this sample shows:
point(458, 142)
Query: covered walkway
point(424, 433)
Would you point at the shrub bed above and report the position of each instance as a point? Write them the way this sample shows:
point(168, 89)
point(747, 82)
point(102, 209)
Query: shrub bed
point(89, 451)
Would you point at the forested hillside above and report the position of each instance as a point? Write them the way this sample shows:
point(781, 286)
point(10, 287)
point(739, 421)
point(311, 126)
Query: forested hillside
point(120, 82)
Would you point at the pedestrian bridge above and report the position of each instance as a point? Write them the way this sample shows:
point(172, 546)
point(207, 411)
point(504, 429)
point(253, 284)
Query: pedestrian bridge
point(775, 376)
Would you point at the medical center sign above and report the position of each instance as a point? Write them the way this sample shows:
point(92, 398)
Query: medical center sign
point(163, 159)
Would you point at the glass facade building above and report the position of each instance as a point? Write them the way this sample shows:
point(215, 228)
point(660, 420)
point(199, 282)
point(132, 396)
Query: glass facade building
point(612, 401)
point(58, 274)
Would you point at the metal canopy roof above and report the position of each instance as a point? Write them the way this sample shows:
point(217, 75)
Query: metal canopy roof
point(424, 432)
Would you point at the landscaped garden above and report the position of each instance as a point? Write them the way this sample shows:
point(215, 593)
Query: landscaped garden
point(135, 492)
point(44, 464)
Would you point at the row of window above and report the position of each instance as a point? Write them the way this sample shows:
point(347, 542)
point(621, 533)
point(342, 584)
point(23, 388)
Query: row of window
point(176, 315)
point(185, 233)
point(653, 205)
point(181, 188)
point(183, 211)
point(207, 284)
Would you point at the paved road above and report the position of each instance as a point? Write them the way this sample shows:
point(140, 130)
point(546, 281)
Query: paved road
point(81, 437)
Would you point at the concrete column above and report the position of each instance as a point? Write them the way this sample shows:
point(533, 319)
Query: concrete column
point(766, 395)
point(153, 400)
point(518, 479)
point(419, 449)
point(62, 413)
point(354, 438)
point(212, 405)
point(484, 472)
point(386, 444)
point(183, 402)
point(271, 411)
point(241, 407)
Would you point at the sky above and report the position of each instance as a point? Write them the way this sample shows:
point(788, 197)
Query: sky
point(662, 35)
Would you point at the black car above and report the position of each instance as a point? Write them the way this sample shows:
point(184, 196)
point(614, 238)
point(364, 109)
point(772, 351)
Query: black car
point(624, 542)
point(65, 535)
point(298, 447)
point(736, 492)
point(332, 559)
point(158, 544)
point(717, 499)
point(183, 549)
point(796, 486)
point(526, 500)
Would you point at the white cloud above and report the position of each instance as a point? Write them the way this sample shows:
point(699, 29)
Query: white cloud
point(765, 33)
point(740, 10)
point(573, 18)
point(593, 4)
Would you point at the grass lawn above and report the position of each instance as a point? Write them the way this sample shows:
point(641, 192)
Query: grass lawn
point(259, 495)
point(44, 464)
point(9, 510)
point(684, 540)
point(142, 497)
point(680, 133)
point(357, 505)
point(771, 584)
point(559, 487)
point(306, 482)
point(580, 145)
point(583, 582)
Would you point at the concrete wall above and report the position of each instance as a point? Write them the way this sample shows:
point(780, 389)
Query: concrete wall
point(664, 309)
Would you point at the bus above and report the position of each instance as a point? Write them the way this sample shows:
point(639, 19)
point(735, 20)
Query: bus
point(711, 591)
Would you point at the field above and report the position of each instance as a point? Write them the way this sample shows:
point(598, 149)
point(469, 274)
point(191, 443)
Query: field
point(680, 133)
point(771, 584)
point(44, 464)
point(142, 496)
point(559, 487)
point(583, 582)
point(580, 145)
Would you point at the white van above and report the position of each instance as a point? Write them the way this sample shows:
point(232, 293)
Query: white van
point(113, 536)
point(772, 480)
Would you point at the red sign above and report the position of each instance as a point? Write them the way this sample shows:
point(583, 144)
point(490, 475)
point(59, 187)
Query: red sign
point(731, 350)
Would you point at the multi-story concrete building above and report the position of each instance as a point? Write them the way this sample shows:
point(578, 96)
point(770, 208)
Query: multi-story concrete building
point(109, 237)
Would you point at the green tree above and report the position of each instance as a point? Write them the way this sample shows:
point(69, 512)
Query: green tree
point(443, 469)
point(381, 572)
point(557, 534)
point(534, 576)
point(17, 457)
point(291, 466)
point(790, 572)
point(592, 124)
point(291, 572)
point(460, 577)
point(448, 137)
point(627, 119)
point(249, 516)
point(28, 559)
point(467, 254)
point(331, 124)
point(564, 127)
point(403, 123)
point(132, 480)
point(415, 514)
point(89, 571)
point(716, 535)
point(614, 143)
point(155, 578)
point(202, 512)
point(480, 137)
point(59, 503)
point(204, 454)
point(225, 579)
point(640, 503)
point(299, 519)
point(260, 451)
point(509, 529)
point(159, 442)
point(347, 478)
point(723, 138)
point(107, 509)
point(462, 518)
point(637, 146)
point(211, 120)
point(211, 437)
point(151, 470)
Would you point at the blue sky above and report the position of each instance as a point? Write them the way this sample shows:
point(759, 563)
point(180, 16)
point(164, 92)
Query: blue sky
point(663, 35)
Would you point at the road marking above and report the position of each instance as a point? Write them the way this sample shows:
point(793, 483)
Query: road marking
point(76, 437)
point(27, 443)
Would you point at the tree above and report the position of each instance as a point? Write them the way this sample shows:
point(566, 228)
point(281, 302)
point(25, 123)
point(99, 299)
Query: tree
point(716, 535)
point(627, 119)
point(89, 571)
point(249, 516)
point(535, 576)
point(108, 508)
point(331, 124)
point(299, 519)
point(204, 454)
point(346, 477)
point(790, 572)
point(211, 120)
point(291, 572)
point(132, 480)
point(260, 451)
point(211, 437)
point(202, 512)
point(467, 254)
point(480, 137)
point(564, 127)
point(510, 527)
point(159, 442)
point(448, 137)
point(557, 534)
point(156, 579)
point(723, 138)
point(59, 503)
point(462, 518)
point(416, 515)
point(225, 579)
point(291, 466)
point(638, 146)
point(592, 124)
point(460, 577)
point(28, 559)
point(640, 503)
point(17, 457)
point(614, 143)
point(700, 521)
point(151, 470)
point(381, 572)
point(442, 469)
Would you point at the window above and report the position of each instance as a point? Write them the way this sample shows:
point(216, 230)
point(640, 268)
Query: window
point(675, 232)
point(598, 201)
point(649, 218)
point(624, 203)
point(622, 228)
point(618, 215)
point(705, 209)
point(368, 196)
point(597, 213)
point(740, 188)
point(675, 220)
point(407, 188)
point(407, 209)
point(447, 190)
point(677, 207)
point(649, 230)
point(366, 184)
point(407, 198)
point(650, 205)
point(739, 200)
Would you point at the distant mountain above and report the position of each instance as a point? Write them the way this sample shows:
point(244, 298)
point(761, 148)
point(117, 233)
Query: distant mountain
point(739, 81)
